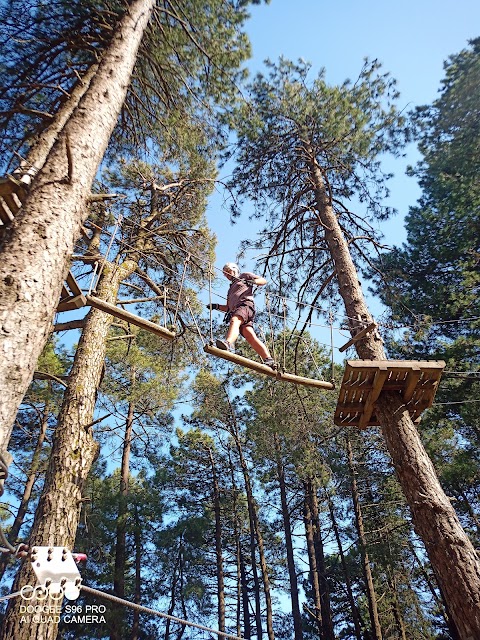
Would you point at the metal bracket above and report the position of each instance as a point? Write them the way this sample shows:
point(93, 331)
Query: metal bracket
point(56, 571)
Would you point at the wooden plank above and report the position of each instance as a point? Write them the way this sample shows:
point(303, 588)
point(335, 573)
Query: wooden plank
point(71, 302)
point(73, 285)
point(361, 334)
point(130, 317)
point(8, 185)
point(264, 369)
point(364, 380)
point(396, 364)
point(411, 383)
point(380, 376)
point(12, 203)
point(6, 216)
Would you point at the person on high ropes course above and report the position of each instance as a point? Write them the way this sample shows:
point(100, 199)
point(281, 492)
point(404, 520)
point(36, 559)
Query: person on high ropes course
point(240, 312)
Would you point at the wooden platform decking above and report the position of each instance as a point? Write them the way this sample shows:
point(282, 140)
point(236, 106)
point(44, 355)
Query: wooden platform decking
point(12, 196)
point(364, 380)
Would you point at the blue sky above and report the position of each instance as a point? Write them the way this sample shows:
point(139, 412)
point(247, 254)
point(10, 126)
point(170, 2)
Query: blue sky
point(411, 39)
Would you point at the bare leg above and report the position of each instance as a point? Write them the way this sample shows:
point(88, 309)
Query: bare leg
point(251, 337)
point(233, 330)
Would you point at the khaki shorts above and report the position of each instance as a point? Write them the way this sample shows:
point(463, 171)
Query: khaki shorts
point(246, 313)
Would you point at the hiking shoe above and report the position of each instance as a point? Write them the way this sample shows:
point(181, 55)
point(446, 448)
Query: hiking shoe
point(270, 362)
point(224, 345)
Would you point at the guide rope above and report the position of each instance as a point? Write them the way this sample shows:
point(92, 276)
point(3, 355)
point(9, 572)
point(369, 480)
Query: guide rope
point(143, 609)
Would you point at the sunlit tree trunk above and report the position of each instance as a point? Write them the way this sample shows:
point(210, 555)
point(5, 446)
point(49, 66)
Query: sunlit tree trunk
point(36, 247)
point(451, 553)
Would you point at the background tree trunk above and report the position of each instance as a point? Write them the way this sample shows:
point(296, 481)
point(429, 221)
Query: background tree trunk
point(218, 544)
point(287, 527)
point(118, 618)
point(367, 572)
point(327, 621)
point(27, 492)
point(348, 582)
point(312, 558)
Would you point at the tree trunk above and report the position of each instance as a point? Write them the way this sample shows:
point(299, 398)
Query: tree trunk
point(242, 584)
point(287, 527)
point(439, 600)
point(73, 453)
point(218, 545)
point(327, 621)
point(36, 246)
point(38, 154)
point(257, 535)
point(118, 618)
point(27, 491)
point(451, 553)
point(367, 572)
point(312, 559)
point(346, 574)
point(138, 576)
point(397, 613)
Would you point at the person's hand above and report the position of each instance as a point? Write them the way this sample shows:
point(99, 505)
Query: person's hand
point(213, 305)
point(249, 283)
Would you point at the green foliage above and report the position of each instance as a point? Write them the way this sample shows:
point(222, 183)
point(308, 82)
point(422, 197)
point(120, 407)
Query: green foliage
point(45, 48)
point(292, 125)
point(187, 67)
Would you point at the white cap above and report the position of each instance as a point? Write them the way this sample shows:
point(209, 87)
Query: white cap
point(232, 267)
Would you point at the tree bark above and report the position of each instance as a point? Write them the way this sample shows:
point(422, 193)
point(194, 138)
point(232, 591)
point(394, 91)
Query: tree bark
point(450, 551)
point(367, 572)
point(218, 545)
point(27, 491)
point(73, 453)
point(312, 559)
point(287, 528)
point(116, 631)
point(36, 246)
point(346, 574)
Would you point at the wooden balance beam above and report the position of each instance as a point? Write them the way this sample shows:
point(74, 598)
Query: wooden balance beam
point(264, 369)
point(158, 330)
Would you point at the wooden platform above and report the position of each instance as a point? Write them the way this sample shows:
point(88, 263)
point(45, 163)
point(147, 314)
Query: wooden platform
point(364, 380)
point(13, 193)
point(266, 370)
point(12, 196)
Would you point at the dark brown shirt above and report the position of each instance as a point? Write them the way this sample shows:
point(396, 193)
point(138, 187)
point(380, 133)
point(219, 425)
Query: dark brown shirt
point(240, 293)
